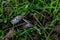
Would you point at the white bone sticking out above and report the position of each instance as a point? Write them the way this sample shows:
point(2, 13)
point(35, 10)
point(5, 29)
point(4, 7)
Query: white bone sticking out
point(16, 19)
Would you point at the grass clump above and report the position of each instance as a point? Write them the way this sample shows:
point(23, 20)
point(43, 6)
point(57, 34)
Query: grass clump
point(44, 15)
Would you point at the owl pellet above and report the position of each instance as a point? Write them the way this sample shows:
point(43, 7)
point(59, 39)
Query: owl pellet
point(16, 19)
point(28, 25)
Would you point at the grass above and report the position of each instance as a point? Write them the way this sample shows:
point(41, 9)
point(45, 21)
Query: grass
point(46, 15)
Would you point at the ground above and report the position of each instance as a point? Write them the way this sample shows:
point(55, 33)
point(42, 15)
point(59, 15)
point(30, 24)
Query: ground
point(39, 20)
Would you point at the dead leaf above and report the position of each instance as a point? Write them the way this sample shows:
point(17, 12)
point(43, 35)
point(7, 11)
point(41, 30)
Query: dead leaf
point(57, 28)
point(10, 34)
